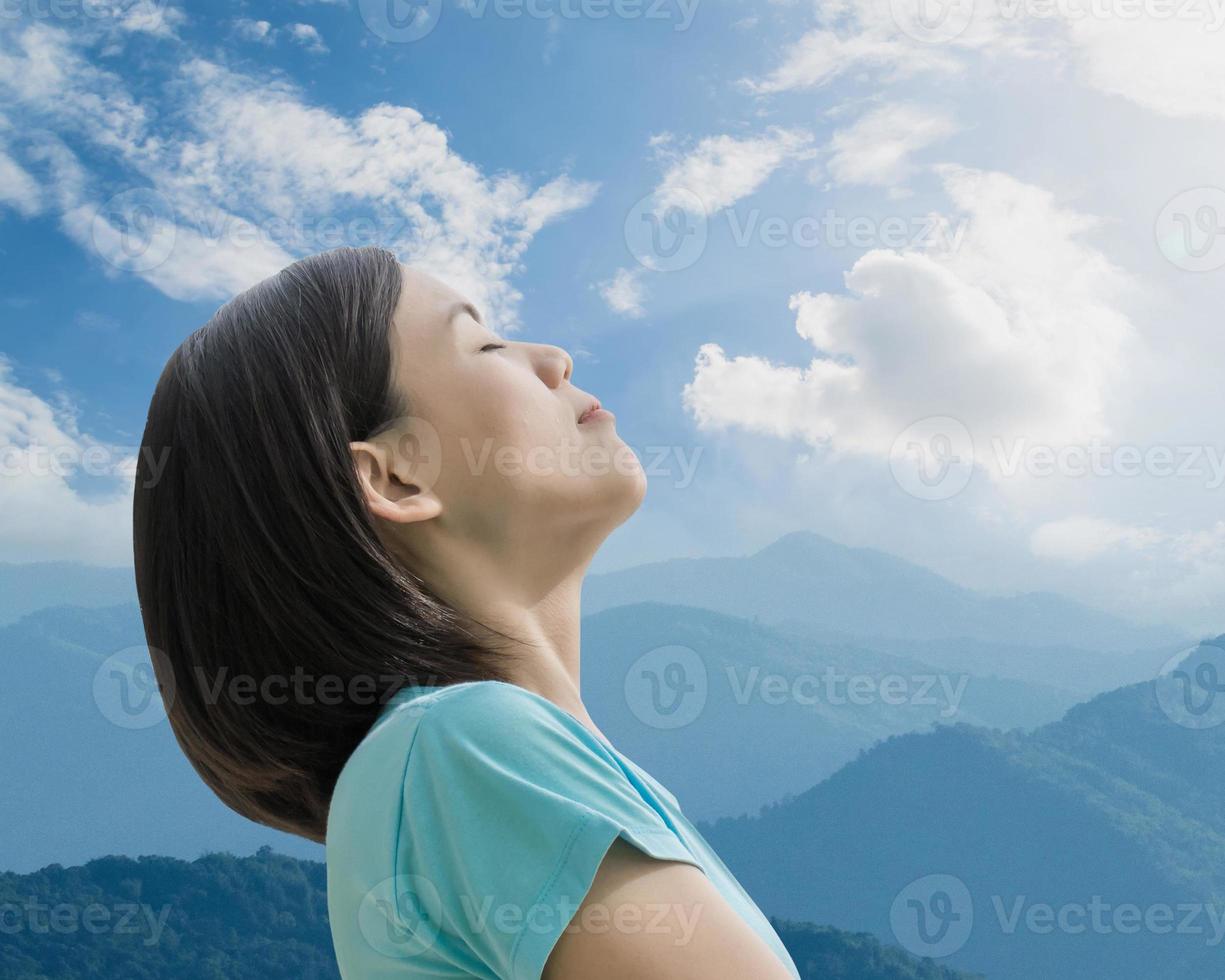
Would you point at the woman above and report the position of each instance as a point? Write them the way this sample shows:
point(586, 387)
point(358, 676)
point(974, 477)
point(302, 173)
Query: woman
point(362, 520)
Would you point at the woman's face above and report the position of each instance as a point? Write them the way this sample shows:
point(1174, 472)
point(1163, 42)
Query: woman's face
point(493, 450)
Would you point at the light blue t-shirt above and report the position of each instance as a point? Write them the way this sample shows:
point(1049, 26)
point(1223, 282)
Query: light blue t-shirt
point(468, 825)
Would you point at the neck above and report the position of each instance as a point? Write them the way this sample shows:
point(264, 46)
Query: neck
point(538, 607)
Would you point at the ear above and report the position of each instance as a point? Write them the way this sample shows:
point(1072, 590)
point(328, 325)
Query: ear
point(394, 485)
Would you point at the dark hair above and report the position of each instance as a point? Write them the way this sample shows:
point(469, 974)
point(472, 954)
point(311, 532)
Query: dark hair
point(256, 556)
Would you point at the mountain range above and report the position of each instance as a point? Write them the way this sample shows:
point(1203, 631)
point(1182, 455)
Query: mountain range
point(1029, 854)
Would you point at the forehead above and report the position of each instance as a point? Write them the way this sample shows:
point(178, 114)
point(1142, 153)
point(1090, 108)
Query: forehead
point(425, 305)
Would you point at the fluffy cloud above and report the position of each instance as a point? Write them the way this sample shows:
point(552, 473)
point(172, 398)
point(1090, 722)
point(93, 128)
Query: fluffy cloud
point(721, 170)
point(624, 292)
point(1014, 332)
point(245, 173)
point(1078, 539)
point(42, 453)
point(877, 148)
point(1169, 58)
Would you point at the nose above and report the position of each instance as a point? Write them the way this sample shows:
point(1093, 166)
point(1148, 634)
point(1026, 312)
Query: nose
point(552, 361)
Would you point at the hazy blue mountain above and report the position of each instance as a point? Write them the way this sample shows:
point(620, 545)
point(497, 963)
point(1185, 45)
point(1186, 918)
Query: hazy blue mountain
point(76, 784)
point(715, 747)
point(67, 755)
point(1067, 668)
point(805, 580)
point(1120, 800)
point(265, 918)
point(25, 588)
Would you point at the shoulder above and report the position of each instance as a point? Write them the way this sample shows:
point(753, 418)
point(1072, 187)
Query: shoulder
point(491, 730)
point(491, 723)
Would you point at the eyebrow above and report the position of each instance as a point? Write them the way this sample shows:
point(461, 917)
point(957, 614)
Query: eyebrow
point(464, 307)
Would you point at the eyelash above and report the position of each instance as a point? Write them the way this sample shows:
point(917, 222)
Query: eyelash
point(494, 346)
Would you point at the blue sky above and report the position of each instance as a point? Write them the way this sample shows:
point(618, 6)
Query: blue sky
point(926, 251)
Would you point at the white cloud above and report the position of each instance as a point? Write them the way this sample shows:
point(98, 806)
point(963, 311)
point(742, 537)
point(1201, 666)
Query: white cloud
point(307, 36)
point(262, 32)
point(1014, 332)
point(877, 148)
point(721, 170)
point(624, 292)
point(1169, 58)
point(1078, 539)
point(1173, 66)
point(240, 174)
point(254, 30)
point(18, 189)
point(822, 56)
point(42, 516)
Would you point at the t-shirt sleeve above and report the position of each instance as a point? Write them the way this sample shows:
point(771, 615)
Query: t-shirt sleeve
point(510, 805)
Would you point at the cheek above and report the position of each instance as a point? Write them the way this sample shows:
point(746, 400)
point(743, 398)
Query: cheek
point(514, 409)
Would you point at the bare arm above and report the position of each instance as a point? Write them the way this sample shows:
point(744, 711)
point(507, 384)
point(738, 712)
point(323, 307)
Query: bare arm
point(657, 920)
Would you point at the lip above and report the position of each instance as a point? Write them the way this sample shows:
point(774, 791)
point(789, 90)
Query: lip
point(594, 410)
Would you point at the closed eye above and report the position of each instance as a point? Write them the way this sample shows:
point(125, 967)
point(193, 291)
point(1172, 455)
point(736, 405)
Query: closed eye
point(493, 347)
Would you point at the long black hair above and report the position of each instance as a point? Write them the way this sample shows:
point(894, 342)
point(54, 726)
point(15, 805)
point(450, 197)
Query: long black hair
point(278, 622)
